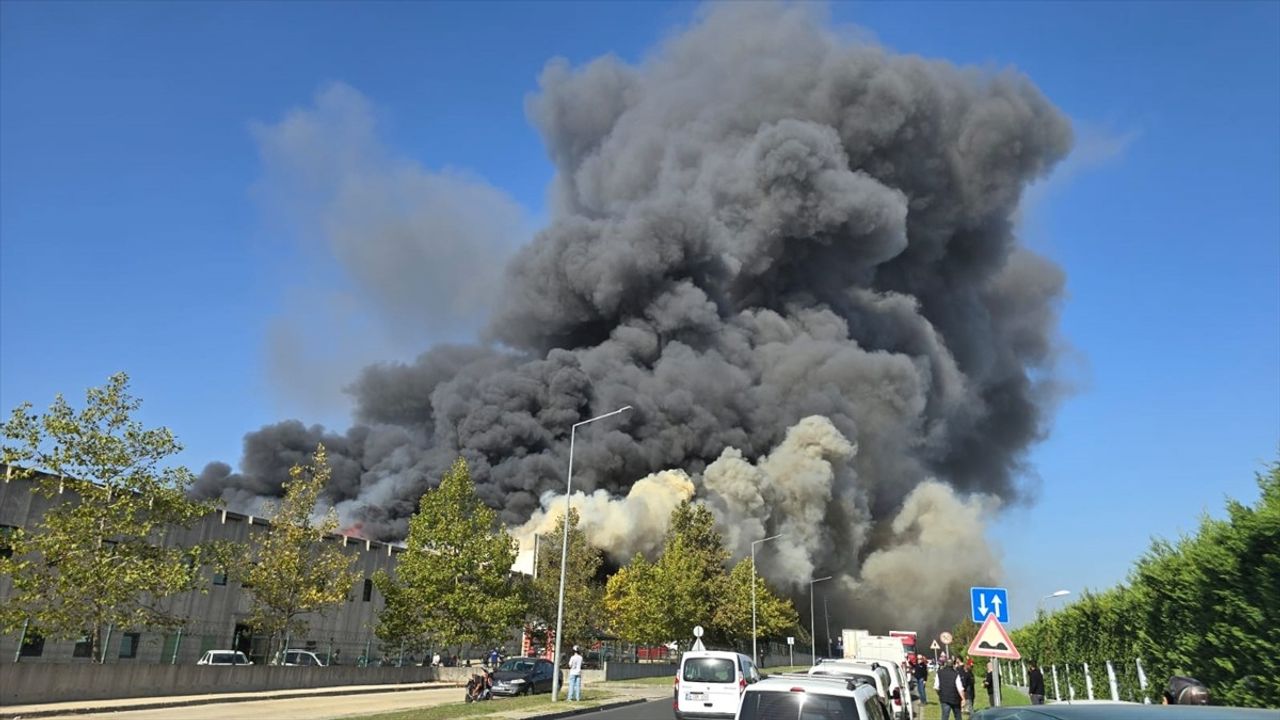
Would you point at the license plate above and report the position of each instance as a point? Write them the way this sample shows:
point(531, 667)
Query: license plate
point(695, 696)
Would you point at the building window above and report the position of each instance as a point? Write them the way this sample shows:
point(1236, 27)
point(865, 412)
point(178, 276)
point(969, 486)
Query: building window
point(84, 647)
point(32, 645)
point(220, 578)
point(368, 589)
point(129, 645)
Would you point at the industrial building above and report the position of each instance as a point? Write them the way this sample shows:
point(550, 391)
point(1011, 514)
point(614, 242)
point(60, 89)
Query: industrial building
point(216, 612)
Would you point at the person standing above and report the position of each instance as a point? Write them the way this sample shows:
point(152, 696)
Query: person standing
point(575, 675)
point(1035, 684)
point(990, 686)
point(921, 673)
point(966, 677)
point(950, 689)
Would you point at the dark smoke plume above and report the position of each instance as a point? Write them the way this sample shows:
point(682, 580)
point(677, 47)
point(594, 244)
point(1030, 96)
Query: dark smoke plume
point(758, 224)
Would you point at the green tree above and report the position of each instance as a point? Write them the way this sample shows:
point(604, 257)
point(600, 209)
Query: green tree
point(292, 571)
point(583, 595)
point(775, 615)
point(453, 582)
point(691, 572)
point(634, 603)
point(97, 558)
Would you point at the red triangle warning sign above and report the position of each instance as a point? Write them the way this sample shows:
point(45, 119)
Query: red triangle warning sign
point(992, 641)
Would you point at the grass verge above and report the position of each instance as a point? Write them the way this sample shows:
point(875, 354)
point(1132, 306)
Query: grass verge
point(1009, 696)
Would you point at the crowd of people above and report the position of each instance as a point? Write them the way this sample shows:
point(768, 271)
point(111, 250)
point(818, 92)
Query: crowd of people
point(954, 686)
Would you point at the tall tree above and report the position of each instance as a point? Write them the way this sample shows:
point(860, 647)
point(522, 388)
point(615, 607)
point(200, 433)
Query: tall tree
point(692, 571)
point(583, 595)
point(453, 583)
point(635, 603)
point(775, 615)
point(96, 559)
point(293, 571)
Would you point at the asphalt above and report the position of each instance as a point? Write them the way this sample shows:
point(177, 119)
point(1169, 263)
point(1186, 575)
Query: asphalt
point(307, 704)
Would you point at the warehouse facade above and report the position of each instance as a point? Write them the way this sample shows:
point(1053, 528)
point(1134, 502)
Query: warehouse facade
point(215, 614)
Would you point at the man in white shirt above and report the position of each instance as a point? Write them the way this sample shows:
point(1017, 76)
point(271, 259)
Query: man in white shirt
point(575, 675)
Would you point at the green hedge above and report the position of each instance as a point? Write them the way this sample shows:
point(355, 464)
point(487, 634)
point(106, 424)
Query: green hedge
point(1207, 606)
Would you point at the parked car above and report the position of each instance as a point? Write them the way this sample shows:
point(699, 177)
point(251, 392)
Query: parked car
point(810, 696)
point(523, 676)
point(302, 658)
point(224, 657)
point(709, 683)
point(876, 674)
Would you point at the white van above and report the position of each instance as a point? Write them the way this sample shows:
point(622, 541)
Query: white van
point(710, 683)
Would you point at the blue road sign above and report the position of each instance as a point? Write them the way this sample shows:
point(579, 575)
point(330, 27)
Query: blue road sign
point(989, 601)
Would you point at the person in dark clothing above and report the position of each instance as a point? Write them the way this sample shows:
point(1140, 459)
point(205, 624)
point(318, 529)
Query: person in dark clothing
point(966, 677)
point(1035, 684)
point(990, 686)
point(1185, 690)
point(950, 689)
point(921, 673)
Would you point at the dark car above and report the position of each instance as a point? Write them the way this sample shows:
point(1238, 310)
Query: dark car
point(523, 676)
point(1121, 711)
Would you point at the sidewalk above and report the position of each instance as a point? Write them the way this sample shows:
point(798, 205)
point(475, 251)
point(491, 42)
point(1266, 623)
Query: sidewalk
point(312, 703)
point(81, 707)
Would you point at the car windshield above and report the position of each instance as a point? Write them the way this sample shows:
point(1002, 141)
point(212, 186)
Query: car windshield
point(797, 706)
point(517, 666)
point(712, 670)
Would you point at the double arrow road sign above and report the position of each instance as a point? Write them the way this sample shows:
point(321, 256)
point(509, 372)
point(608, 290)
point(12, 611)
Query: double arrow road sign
point(989, 601)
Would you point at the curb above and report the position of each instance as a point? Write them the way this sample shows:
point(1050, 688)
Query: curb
point(160, 705)
point(584, 710)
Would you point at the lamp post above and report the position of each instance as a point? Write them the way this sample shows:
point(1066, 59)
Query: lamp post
point(755, 656)
point(813, 632)
point(1040, 608)
point(564, 550)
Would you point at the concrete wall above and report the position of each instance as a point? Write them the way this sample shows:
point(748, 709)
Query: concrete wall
point(26, 683)
point(631, 671)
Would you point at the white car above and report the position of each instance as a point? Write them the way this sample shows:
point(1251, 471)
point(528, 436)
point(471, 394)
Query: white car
point(872, 673)
point(810, 697)
point(303, 658)
point(710, 683)
point(900, 685)
point(224, 657)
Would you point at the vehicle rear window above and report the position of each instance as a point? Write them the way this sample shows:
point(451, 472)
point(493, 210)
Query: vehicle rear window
point(709, 670)
point(797, 706)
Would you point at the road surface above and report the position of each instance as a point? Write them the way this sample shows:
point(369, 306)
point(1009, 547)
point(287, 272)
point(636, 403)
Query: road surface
point(307, 708)
point(653, 710)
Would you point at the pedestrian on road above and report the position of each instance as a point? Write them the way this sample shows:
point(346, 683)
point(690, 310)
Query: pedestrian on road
point(1035, 684)
point(950, 688)
point(575, 675)
point(922, 676)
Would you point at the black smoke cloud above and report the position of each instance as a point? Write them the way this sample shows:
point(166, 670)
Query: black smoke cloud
point(760, 223)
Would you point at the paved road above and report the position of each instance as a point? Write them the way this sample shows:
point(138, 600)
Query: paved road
point(652, 710)
point(310, 708)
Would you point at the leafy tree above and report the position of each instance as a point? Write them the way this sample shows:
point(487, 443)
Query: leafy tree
point(583, 596)
point(775, 615)
point(692, 572)
point(634, 603)
point(962, 634)
point(96, 559)
point(453, 582)
point(292, 570)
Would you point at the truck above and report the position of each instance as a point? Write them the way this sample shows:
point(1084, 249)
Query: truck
point(862, 644)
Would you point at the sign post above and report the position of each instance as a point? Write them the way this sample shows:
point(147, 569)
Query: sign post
point(791, 648)
point(994, 642)
point(934, 647)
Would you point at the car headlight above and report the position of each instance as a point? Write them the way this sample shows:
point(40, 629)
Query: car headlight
point(518, 681)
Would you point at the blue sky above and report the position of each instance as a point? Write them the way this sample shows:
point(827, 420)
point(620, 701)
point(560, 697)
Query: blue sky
point(138, 230)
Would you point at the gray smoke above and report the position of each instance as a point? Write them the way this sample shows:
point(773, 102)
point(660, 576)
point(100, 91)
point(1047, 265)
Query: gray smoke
point(758, 224)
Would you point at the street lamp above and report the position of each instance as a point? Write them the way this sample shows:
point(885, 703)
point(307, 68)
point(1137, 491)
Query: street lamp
point(755, 657)
point(813, 632)
point(564, 551)
point(1040, 609)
